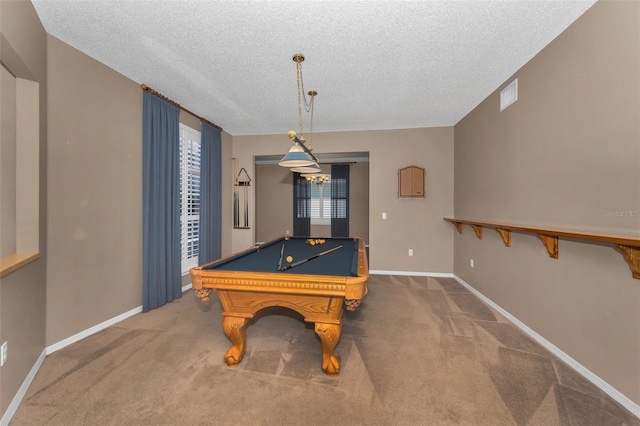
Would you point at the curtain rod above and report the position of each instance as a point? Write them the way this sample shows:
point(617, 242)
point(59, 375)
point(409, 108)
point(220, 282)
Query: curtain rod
point(146, 88)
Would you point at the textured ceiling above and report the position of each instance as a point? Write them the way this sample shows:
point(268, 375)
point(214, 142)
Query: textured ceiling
point(375, 64)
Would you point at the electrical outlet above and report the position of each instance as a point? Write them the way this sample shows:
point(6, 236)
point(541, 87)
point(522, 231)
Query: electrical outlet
point(410, 252)
point(471, 263)
point(3, 353)
point(384, 215)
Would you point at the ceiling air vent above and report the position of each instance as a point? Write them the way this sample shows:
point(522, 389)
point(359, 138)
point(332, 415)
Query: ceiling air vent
point(509, 95)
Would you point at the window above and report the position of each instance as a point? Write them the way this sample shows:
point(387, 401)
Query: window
point(189, 196)
point(321, 203)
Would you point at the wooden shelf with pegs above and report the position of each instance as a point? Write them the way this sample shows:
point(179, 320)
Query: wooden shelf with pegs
point(628, 245)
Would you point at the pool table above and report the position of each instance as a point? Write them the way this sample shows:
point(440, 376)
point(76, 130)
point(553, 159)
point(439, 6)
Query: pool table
point(312, 276)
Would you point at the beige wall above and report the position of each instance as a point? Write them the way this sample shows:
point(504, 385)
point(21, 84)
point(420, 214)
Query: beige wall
point(94, 271)
point(566, 153)
point(95, 192)
point(358, 201)
point(22, 293)
point(410, 223)
point(274, 212)
point(274, 202)
point(227, 202)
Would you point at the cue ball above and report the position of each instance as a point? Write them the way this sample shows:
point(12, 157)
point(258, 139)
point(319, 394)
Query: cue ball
point(289, 259)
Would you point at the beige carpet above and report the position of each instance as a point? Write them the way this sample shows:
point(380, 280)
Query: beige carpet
point(418, 351)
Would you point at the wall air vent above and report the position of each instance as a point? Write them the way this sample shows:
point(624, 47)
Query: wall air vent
point(509, 95)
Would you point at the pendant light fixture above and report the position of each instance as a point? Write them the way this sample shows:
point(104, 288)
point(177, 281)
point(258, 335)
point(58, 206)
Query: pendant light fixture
point(300, 154)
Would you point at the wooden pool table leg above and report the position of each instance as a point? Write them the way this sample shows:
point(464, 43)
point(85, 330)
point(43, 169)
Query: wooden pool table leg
point(234, 328)
point(329, 336)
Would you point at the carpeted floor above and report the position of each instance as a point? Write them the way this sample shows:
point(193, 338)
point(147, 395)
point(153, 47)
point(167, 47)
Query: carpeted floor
point(418, 351)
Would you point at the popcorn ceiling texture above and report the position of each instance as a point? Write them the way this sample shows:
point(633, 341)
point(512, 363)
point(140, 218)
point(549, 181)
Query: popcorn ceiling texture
point(375, 64)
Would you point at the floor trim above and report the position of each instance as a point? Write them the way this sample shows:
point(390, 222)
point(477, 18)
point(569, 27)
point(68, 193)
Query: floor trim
point(17, 399)
point(89, 331)
point(415, 274)
point(593, 378)
point(99, 327)
point(589, 375)
point(581, 369)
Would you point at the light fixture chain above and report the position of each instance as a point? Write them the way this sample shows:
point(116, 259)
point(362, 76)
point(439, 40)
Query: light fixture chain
point(300, 95)
point(307, 104)
point(311, 124)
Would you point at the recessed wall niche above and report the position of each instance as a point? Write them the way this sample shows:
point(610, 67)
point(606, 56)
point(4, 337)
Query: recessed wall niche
point(19, 170)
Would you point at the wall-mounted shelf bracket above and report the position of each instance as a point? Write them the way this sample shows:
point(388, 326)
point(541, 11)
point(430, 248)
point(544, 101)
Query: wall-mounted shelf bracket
point(506, 236)
point(478, 230)
point(458, 226)
point(632, 255)
point(550, 243)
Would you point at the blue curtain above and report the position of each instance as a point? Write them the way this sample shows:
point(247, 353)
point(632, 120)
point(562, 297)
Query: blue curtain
point(210, 195)
point(301, 206)
point(340, 200)
point(161, 203)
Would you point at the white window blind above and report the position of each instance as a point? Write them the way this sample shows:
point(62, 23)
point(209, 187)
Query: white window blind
point(321, 203)
point(189, 196)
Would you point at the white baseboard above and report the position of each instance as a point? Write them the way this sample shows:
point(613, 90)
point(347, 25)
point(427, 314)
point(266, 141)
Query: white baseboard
point(586, 373)
point(99, 327)
point(89, 331)
point(582, 370)
point(593, 378)
point(415, 274)
point(6, 418)
point(17, 399)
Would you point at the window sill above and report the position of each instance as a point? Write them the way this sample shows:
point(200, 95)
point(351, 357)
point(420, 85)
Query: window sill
point(16, 261)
